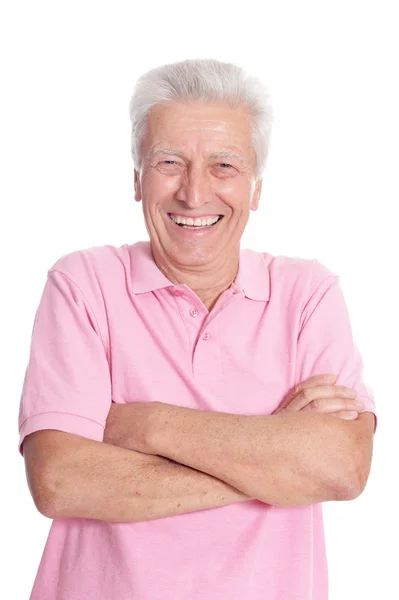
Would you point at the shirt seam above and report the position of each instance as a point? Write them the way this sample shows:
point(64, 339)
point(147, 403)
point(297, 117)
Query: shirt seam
point(314, 261)
point(310, 293)
point(88, 304)
point(58, 412)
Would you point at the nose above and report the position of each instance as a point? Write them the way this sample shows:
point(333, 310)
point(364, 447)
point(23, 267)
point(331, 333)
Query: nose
point(194, 187)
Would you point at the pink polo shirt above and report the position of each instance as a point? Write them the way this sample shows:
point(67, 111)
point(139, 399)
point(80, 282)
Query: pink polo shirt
point(111, 327)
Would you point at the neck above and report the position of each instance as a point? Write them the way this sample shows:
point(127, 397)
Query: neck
point(208, 282)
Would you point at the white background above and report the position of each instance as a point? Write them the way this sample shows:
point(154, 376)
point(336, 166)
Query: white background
point(330, 191)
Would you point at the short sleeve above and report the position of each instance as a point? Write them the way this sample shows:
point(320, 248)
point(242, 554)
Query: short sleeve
point(325, 342)
point(67, 384)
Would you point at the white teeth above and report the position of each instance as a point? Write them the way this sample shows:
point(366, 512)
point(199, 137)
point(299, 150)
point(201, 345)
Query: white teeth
point(194, 223)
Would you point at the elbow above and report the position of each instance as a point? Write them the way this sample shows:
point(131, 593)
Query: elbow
point(354, 488)
point(354, 466)
point(46, 475)
point(45, 502)
point(47, 508)
point(45, 497)
point(347, 491)
point(352, 484)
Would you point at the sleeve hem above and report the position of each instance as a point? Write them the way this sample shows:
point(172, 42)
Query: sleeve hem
point(69, 423)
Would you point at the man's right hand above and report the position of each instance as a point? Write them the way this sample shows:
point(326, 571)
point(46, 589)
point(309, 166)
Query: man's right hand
point(319, 394)
point(116, 430)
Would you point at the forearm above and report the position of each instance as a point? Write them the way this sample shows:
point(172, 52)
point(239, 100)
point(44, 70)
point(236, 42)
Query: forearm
point(287, 459)
point(100, 481)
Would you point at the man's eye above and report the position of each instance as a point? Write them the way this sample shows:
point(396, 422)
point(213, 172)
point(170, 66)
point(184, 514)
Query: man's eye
point(224, 165)
point(169, 162)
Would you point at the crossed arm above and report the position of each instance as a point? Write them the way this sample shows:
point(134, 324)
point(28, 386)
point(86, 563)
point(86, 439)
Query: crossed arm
point(288, 459)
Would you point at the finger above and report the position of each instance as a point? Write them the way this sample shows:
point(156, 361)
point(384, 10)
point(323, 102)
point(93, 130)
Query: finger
point(347, 415)
point(326, 377)
point(301, 398)
point(330, 405)
point(317, 394)
point(316, 380)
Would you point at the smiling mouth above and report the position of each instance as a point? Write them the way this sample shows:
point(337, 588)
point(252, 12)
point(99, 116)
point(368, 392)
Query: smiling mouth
point(184, 226)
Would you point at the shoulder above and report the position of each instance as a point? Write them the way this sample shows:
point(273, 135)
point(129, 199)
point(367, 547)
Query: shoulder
point(89, 268)
point(97, 274)
point(307, 273)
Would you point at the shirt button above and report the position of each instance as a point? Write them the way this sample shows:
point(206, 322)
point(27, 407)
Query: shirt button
point(206, 336)
point(193, 312)
point(178, 292)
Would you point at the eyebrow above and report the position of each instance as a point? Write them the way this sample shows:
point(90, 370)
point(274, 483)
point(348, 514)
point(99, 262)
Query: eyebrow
point(166, 151)
point(174, 152)
point(228, 155)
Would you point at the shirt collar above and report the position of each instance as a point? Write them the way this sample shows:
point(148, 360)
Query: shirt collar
point(253, 277)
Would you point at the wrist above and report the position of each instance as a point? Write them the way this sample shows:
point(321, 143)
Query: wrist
point(116, 429)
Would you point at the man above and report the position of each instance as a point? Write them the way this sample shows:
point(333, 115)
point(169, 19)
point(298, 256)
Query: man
point(188, 405)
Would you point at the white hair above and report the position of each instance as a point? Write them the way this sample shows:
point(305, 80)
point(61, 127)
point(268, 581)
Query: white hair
point(206, 80)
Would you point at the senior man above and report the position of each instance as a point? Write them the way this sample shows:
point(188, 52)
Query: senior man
point(189, 405)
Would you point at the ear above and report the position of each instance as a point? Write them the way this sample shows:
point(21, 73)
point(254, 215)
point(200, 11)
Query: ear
point(256, 195)
point(137, 186)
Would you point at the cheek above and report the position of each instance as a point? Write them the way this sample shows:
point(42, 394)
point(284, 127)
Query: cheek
point(234, 190)
point(156, 186)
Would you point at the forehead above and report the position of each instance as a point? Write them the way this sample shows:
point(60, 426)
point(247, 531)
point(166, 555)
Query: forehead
point(175, 123)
